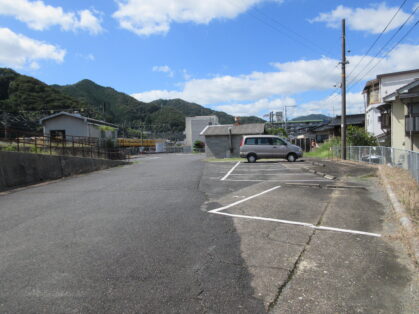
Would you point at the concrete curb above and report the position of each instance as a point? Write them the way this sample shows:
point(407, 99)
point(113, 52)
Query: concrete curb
point(321, 174)
point(401, 212)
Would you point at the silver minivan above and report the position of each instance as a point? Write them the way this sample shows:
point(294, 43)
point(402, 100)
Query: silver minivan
point(254, 147)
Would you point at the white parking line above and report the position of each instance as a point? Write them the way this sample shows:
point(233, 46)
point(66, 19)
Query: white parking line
point(289, 222)
point(256, 180)
point(231, 170)
point(244, 200)
point(273, 174)
point(304, 224)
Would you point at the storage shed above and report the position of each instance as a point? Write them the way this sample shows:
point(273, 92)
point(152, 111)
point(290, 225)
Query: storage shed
point(223, 141)
point(64, 124)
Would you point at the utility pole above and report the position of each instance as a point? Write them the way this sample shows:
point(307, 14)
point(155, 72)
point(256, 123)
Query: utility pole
point(286, 117)
point(5, 124)
point(343, 85)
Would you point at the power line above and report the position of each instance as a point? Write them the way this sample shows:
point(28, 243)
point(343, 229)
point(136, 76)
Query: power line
point(312, 43)
point(387, 53)
point(385, 45)
point(354, 80)
point(287, 31)
point(378, 37)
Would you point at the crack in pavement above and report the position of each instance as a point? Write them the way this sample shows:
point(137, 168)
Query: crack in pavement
point(299, 258)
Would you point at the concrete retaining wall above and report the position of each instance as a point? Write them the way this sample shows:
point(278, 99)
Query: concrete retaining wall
point(17, 169)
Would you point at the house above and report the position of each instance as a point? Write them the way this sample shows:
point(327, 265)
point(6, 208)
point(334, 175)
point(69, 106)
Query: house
point(297, 127)
point(194, 127)
point(65, 125)
point(374, 92)
point(351, 119)
point(400, 116)
point(223, 141)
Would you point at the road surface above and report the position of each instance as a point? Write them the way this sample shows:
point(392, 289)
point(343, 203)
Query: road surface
point(140, 239)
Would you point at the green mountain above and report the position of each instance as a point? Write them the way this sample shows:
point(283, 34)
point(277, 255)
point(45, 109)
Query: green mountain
point(28, 99)
point(312, 117)
point(161, 115)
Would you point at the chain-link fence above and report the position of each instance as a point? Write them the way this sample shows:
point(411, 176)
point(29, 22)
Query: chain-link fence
point(401, 158)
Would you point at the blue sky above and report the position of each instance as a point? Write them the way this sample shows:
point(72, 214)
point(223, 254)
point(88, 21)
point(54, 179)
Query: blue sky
point(245, 57)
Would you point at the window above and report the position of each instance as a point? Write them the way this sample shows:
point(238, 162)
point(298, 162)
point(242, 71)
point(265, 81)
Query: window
point(250, 141)
point(265, 141)
point(278, 141)
point(412, 120)
point(385, 120)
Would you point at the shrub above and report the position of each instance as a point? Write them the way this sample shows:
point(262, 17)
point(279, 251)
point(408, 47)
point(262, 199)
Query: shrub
point(357, 136)
point(198, 145)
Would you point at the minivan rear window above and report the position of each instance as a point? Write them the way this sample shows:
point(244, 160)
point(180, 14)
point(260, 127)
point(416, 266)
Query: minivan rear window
point(251, 141)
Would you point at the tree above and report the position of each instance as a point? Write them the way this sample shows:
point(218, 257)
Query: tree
point(277, 131)
point(357, 136)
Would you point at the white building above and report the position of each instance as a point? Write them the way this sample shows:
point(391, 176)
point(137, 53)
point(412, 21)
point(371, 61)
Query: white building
point(195, 125)
point(374, 92)
point(65, 125)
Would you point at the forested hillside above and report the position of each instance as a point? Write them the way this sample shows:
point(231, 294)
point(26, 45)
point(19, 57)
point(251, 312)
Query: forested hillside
point(27, 99)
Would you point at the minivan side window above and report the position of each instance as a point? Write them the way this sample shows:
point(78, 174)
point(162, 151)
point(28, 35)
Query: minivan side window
point(278, 141)
point(265, 141)
point(250, 141)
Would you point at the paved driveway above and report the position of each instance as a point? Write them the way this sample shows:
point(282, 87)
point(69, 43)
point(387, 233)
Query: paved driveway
point(151, 238)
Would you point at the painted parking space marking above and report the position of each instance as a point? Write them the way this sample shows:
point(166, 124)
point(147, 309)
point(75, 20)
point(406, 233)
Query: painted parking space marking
point(231, 170)
point(243, 200)
point(283, 180)
point(219, 210)
point(242, 172)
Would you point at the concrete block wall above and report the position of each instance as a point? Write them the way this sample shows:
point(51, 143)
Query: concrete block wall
point(218, 146)
point(19, 169)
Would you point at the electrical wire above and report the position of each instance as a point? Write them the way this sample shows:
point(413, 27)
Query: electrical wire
point(378, 37)
point(382, 48)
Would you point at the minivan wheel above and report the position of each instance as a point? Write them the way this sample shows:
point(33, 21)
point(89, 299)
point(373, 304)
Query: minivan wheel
point(291, 157)
point(251, 158)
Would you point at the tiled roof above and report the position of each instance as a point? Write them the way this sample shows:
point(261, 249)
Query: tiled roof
point(351, 119)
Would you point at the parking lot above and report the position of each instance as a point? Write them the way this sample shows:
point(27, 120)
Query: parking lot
point(177, 234)
point(302, 233)
point(271, 171)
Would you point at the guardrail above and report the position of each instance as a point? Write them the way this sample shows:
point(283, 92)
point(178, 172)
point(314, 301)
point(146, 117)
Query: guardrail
point(401, 158)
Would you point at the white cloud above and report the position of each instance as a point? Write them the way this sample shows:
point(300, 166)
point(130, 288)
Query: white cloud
point(186, 75)
point(146, 17)
point(157, 94)
point(331, 105)
point(19, 51)
point(88, 57)
point(257, 108)
point(266, 91)
point(164, 69)
point(40, 16)
point(372, 20)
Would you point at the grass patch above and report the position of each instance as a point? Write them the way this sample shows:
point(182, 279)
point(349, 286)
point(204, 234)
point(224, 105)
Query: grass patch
point(406, 189)
point(323, 151)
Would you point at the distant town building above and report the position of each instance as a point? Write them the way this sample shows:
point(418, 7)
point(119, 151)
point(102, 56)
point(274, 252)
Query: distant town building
point(223, 141)
point(374, 92)
point(194, 127)
point(64, 125)
point(333, 128)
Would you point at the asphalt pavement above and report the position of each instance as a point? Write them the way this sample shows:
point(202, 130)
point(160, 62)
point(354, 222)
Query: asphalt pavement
point(142, 239)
